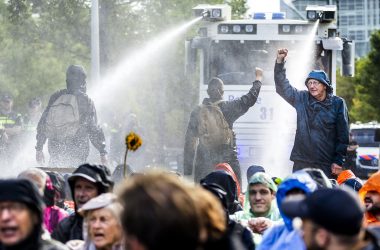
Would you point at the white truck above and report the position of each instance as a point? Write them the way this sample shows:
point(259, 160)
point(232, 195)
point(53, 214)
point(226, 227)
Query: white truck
point(231, 49)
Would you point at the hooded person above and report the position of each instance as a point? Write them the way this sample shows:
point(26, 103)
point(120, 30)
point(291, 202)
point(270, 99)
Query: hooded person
point(86, 182)
point(226, 167)
point(52, 213)
point(21, 217)
point(103, 224)
point(370, 195)
point(322, 134)
point(226, 181)
point(237, 236)
point(260, 209)
point(283, 236)
point(69, 123)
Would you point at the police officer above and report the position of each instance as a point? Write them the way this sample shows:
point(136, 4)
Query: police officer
point(10, 128)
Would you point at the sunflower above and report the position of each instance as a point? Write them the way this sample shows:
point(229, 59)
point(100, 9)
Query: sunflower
point(133, 141)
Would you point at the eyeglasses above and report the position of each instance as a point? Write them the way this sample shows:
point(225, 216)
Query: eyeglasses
point(315, 83)
point(12, 207)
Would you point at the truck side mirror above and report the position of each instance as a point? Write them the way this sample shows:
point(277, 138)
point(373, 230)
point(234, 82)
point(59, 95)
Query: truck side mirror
point(190, 58)
point(377, 135)
point(348, 60)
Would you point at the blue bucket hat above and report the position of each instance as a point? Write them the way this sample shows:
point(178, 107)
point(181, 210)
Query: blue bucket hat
point(322, 77)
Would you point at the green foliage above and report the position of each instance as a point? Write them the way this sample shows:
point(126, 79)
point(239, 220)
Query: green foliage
point(40, 38)
point(366, 102)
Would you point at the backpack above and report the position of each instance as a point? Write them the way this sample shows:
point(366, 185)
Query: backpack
point(62, 120)
point(213, 129)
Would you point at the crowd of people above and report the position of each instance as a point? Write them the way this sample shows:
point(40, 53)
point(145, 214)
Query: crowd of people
point(164, 210)
point(321, 205)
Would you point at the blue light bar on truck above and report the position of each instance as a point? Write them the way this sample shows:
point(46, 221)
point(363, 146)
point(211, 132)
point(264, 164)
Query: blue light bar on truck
point(278, 15)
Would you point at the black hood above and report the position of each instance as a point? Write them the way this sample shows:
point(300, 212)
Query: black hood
point(98, 174)
point(76, 79)
point(227, 183)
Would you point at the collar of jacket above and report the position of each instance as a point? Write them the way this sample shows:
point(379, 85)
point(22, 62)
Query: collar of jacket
point(326, 102)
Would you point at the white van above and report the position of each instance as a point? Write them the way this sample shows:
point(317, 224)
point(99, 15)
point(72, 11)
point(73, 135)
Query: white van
point(367, 135)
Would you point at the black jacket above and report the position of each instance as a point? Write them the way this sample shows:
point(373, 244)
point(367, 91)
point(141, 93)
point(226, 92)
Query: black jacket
point(322, 127)
point(205, 160)
point(70, 228)
point(77, 147)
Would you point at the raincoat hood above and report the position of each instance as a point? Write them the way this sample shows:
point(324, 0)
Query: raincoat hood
point(259, 178)
point(372, 184)
point(322, 77)
point(225, 181)
point(300, 180)
point(226, 167)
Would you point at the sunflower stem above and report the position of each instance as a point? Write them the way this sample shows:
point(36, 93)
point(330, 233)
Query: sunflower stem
point(125, 163)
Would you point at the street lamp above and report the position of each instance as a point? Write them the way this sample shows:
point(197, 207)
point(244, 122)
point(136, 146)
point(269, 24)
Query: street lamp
point(95, 75)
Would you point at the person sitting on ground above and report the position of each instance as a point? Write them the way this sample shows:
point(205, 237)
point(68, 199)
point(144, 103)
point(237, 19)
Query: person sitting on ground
point(260, 209)
point(36, 176)
point(52, 213)
point(59, 185)
point(104, 230)
point(327, 223)
point(283, 236)
point(226, 181)
point(226, 167)
point(21, 217)
point(159, 213)
point(370, 195)
point(86, 182)
point(235, 237)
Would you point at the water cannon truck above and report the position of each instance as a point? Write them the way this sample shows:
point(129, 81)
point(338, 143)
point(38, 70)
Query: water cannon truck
point(231, 49)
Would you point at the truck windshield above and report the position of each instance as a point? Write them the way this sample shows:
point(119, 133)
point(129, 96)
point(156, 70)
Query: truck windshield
point(365, 137)
point(234, 61)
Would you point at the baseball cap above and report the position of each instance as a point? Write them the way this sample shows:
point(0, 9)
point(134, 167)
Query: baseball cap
point(97, 202)
point(338, 211)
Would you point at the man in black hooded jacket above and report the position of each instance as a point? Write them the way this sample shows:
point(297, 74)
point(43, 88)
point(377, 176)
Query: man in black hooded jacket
point(86, 182)
point(70, 149)
point(197, 154)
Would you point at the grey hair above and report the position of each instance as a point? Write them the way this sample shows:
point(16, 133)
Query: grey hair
point(31, 173)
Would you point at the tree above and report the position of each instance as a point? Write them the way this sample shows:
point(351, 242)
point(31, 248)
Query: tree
point(366, 102)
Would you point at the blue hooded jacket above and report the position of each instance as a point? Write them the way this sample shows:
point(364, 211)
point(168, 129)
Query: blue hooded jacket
point(283, 236)
point(322, 126)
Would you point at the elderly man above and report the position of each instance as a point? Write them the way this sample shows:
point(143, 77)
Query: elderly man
point(21, 217)
point(322, 120)
point(260, 210)
point(87, 181)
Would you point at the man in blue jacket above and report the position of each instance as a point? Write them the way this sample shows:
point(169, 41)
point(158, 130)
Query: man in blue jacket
point(322, 120)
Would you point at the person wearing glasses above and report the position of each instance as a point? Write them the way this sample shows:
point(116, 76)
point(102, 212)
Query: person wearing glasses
point(322, 120)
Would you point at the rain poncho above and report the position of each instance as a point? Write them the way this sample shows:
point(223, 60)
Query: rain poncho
point(372, 184)
point(283, 236)
point(246, 214)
